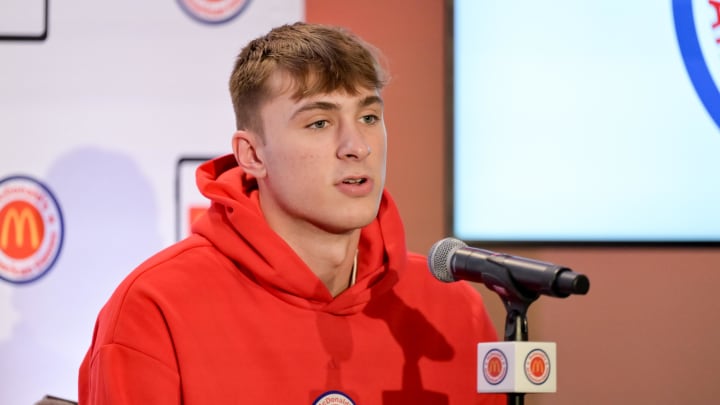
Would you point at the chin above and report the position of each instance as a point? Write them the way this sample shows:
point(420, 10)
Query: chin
point(350, 223)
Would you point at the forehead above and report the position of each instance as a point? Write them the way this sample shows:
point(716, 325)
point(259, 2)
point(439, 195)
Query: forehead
point(282, 85)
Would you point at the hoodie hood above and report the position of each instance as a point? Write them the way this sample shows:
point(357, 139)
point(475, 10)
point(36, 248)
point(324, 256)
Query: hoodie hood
point(235, 225)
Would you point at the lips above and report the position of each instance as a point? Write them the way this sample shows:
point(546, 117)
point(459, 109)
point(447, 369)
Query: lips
point(356, 186)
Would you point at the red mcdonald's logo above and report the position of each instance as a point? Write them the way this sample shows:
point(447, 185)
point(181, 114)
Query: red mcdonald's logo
point(537, 366)
point(21, 229)
point(494, 367)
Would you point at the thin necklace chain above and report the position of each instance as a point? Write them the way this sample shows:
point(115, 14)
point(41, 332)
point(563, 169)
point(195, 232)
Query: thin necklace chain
point(353, 273)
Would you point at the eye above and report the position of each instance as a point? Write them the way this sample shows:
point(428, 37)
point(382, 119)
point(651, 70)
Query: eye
point(318, 124)
point(370, 119)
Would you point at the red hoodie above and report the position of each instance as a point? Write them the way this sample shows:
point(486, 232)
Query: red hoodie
point(231, 315)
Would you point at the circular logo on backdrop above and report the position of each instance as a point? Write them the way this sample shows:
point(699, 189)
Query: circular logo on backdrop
point(697, 24)
point(213, 11)
point(495, 367)
point(333, 398)
point(31, 229)
point(537, 366)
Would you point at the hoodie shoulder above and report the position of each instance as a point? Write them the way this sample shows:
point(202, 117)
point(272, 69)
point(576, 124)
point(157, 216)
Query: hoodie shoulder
point(152, 278)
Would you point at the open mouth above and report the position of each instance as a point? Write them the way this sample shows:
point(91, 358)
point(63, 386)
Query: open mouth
point(355, 181)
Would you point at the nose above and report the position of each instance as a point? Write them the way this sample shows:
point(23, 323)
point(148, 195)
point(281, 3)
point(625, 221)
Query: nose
point(352, 144)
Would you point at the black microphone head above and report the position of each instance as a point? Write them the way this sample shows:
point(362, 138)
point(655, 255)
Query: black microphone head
point(439, 258)
point(568, 282)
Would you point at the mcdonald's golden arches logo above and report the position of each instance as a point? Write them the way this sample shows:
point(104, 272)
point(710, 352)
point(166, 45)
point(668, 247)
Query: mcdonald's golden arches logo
point(537, 366)
point(31, 229)
point(495, 367)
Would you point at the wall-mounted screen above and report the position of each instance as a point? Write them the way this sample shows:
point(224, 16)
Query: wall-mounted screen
point(586, 122)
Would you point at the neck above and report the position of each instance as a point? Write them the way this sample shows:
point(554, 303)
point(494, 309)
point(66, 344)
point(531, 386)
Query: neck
point(332, 262)
point(330, 256)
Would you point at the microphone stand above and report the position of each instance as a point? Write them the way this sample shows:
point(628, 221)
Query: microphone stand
point(517, 300)
point(516, 330)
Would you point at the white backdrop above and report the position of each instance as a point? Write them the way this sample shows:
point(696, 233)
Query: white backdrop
point(101, 112)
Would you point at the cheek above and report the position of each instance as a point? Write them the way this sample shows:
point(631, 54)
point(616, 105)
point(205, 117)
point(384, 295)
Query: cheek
point(381, 147)
point(380, 144)
point(295, 166)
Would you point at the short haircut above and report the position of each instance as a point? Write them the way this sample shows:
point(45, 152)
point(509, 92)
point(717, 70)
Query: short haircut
point(318, 59)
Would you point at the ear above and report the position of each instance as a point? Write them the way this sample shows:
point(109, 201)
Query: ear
point(247, 147)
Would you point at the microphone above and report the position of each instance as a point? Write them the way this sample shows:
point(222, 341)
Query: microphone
point(451, 259)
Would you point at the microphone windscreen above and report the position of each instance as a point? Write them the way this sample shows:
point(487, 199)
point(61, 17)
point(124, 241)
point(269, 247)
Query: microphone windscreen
point(439, 258)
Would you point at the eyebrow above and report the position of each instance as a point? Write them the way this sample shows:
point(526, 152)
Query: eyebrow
point(327, 106)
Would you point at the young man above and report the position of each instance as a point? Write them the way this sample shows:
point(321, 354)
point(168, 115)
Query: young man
point(296, 286)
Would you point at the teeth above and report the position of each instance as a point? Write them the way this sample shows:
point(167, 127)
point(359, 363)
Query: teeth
point(353, 181)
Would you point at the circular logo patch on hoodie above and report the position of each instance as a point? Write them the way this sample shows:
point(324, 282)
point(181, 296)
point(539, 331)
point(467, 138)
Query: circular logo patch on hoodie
point(333, 398)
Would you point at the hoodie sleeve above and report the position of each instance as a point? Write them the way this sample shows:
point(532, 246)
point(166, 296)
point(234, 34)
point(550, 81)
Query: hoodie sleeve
point(131, 359)
point(119, 375)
